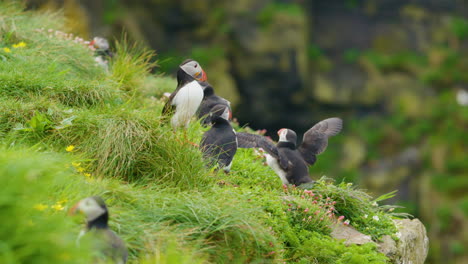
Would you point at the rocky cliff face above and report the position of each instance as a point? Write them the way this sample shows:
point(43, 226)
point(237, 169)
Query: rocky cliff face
point(411, 247)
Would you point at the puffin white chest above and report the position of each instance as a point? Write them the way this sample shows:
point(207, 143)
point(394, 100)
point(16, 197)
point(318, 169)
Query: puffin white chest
point(273, 163)
point(187, 100)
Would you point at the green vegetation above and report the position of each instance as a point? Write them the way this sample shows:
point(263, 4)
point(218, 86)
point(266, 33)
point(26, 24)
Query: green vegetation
point(266, 15)
point(69, 130)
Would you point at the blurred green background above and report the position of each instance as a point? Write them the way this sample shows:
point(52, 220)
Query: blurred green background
point(395, 70)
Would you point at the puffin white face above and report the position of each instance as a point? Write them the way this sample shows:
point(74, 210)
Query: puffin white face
point(226, 114)
point(90, 207)
point(100, 43)
point(194, 69)
point(282, 135)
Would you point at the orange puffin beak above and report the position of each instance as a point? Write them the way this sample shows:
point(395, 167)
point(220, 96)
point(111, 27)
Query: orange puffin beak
point(279, 131)
point(230, 114)
point(73, 210)
point(92, 43)
point(203, 76)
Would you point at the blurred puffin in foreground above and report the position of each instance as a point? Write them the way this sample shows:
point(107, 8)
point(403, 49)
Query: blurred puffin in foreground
point(289, 161)
point(219, 144)
point(109, 245)
point(183, 103)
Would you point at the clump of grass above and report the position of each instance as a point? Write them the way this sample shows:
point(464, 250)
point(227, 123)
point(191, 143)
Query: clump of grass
point(130, 64)
point(229, 232)
point(134, 146)
point(358, 207)
point(168, 250)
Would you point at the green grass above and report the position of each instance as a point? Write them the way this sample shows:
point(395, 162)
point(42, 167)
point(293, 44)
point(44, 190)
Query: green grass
point(35, 232)
point(163, 201)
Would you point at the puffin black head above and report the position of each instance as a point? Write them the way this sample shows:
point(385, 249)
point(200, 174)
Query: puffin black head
point(194, 69)
point(95, 211)
point(287, 135)
point(220, 112)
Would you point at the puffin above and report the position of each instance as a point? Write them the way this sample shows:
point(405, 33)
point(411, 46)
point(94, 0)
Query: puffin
point(109, 244)
point(219, 143)
point(102, 52)
point(291, 163)
point(210, 100)
point(187, 97)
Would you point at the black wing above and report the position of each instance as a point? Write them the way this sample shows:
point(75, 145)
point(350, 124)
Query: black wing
point(247, 140)
point(315, 140)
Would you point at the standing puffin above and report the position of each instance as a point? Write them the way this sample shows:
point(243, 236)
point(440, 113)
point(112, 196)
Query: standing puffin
point(210, 100)
point(288, 161)
point(219, 144)
point(108, 243)
point(101, 47)
point(186, 99)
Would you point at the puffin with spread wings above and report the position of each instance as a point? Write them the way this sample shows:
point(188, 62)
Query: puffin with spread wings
point(285, 158)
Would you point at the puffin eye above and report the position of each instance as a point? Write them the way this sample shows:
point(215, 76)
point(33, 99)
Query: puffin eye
point(195, 65)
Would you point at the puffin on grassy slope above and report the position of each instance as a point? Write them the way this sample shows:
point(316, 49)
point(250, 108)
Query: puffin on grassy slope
point(186, 99)
point(102, 47)
point(102, 52)
point(210, 100)
point(219, 144)
point(287, 160)
point(108, 243)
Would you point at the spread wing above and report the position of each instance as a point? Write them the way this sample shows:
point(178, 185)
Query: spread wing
point(247, 140)
point(315, 140)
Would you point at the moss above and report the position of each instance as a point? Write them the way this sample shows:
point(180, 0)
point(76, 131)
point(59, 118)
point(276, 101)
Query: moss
point(319, 249)
point(267, 14)
point(459, 27)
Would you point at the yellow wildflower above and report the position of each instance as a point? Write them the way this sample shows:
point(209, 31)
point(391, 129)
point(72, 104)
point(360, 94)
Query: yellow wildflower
point(22, 44)
point(62, 201)
point(40, 207)
point(76, 164)
point(57, 207)
point(80, 169)
point(7, 50)
point(87, 174)
point(70, 148)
